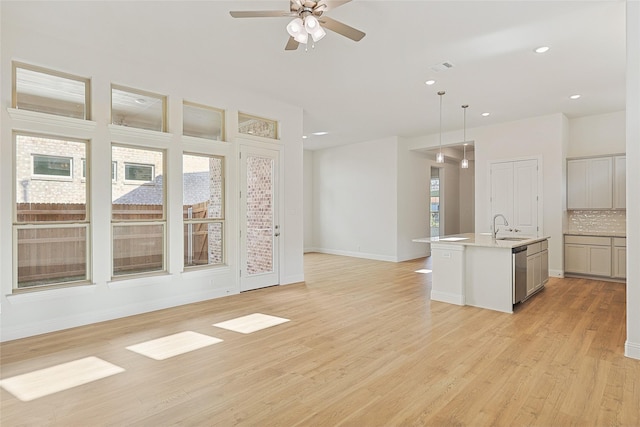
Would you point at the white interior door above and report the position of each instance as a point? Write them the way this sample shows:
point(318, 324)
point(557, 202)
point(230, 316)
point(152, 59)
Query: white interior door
point(259, 226)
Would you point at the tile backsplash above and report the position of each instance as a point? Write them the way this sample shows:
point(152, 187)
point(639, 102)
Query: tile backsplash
point(597, 221)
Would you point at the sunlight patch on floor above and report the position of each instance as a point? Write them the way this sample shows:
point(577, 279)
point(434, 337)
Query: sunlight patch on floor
point(423, 271)
point(173, 345)
point(58, 378)
point(251, 323)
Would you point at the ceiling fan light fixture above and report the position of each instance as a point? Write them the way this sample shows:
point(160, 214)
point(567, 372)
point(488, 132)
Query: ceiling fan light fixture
point(318, 33)
point(302, 37)
point(295, 27)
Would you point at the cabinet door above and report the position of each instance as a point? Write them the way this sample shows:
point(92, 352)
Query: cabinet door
point(576, 258)
point(620, 262)
point(599, 260)
point(620, 183)
point(544, 267)
point(533, 273)
point(525, 197)
point(600, 183)
point(577, 176)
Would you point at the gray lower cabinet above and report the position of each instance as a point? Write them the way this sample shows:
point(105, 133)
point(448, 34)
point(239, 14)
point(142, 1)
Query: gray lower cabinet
point(595, 256)
point(537, 266)
point(619, 268)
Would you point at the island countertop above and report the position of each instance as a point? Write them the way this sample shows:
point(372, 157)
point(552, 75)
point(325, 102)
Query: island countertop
point(482, 239)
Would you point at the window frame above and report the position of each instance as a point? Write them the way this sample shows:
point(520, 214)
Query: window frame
point(137, 181)
point(15, 65)
point(51, 177)
point(39, 225)
point(218, 220)
point(162, 221)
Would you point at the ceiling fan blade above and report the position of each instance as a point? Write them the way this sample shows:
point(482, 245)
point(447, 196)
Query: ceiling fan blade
point(340, 28)
point(292, 44)
point(332, 4)
point(261, 13)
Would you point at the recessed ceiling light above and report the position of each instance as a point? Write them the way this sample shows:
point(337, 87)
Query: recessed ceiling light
point(304, 137)
point(319, 133)
point(576, 96)
point(430, 82)
point(485, 114)
point(541, 49)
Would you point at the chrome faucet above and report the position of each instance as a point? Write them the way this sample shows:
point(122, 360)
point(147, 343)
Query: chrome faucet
point(495, 229)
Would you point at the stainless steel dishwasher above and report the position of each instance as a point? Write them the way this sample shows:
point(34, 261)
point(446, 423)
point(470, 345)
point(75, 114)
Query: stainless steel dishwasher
point(519, 269)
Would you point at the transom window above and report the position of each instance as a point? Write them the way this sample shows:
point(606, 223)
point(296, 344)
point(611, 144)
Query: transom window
point(138, 109)
point(52, 92)
point(202, 121)
point(257, 126)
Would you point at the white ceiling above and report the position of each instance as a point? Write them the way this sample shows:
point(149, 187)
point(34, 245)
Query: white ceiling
point(375, 88)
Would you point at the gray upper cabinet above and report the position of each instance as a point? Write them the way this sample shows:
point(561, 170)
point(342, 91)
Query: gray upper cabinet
point(590, 183)
point(620, 183)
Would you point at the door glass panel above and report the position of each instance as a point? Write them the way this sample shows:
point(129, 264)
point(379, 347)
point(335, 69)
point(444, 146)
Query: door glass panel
point(260, 182)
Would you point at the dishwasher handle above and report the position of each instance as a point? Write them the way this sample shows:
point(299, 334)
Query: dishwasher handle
point(518, 249)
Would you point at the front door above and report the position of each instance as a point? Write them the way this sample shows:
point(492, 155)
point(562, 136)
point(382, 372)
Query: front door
point(259, 227)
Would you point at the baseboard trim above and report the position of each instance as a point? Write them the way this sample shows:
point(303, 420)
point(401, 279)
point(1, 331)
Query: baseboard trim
point(447, 297)
point(556, 273)
point(357, 254)
point(632, 350)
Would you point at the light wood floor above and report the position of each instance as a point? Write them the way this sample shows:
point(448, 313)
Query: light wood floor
point(365, 347)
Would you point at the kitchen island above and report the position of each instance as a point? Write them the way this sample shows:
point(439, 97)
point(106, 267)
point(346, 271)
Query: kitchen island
point(477, 269)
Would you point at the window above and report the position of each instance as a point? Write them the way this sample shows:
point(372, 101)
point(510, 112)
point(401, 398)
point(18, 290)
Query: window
point(202, 121)
point(51, 221)
point(46, 91)
point(56, 166)
point(257, 126)
point(138, 172)
point(138, 109)
point(137, 212)
point(114, 171)
point(203, 209)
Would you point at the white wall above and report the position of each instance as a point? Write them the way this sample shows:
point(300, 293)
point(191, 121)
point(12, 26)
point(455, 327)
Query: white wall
point(597, 135)
point(632, 345)
point(414, 176)
point(43, 311)
point(355, 199)
point(308, 201)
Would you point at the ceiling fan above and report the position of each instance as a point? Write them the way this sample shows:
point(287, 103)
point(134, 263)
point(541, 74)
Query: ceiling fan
point(308, 21)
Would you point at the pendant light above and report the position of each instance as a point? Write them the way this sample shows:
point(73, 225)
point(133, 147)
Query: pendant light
point(440, 156)
point(465, 163)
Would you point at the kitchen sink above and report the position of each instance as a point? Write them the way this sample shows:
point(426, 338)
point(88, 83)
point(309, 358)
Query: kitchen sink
point(513, 239)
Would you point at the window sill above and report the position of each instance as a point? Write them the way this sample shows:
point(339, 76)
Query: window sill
point(51, 119)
